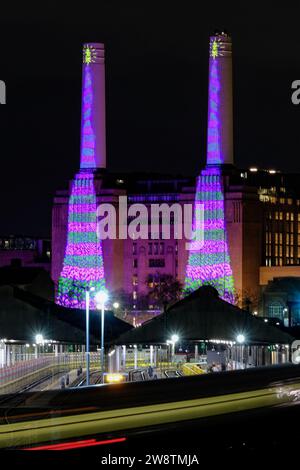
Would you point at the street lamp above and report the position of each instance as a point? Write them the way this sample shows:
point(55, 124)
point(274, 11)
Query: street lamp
point(101, 299)
point(241, 339)
point(116, 305)
point(172, 342)
point(39, 339)
point(87, 331)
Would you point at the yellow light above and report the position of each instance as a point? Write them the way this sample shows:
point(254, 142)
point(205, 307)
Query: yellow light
point(115, 378)
point(253, 169)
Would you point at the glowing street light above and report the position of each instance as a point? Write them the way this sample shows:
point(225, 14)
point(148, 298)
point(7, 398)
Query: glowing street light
point(116, 305)
point(39, 339)
point(240, 338)
point(101, 299)
point(172, 342)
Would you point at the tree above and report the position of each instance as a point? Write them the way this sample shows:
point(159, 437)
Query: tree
point(163, 289)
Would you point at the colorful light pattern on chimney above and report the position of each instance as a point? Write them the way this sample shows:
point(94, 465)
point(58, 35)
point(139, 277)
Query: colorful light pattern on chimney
point(210, 263)
point(88, 139)
point(83, 262)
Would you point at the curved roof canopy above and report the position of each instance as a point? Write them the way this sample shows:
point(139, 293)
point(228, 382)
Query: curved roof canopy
point(203, 315)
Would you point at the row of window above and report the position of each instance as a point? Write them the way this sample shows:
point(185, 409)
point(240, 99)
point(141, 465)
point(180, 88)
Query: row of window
point(275, 200)
point(279, 215)
point(280, 261)
point(152, 263)
point(154, 248)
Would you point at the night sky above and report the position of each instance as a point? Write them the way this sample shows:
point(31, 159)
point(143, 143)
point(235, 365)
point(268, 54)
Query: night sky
point(156, 80)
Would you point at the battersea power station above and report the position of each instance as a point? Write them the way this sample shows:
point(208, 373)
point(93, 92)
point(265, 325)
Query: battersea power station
point(249, 218)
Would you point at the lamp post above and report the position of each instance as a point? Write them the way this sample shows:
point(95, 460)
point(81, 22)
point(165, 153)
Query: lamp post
point(87, 332)
point(241, 339)
point(101, 298)
point(174, 340)
point(39, 339)
point(171, 342)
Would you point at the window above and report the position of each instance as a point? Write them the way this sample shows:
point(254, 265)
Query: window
point(135, 263)
point(156, 263)
point(275, 309)
point(134, 251)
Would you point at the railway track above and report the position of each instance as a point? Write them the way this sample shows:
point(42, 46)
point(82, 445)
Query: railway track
point(10, 402)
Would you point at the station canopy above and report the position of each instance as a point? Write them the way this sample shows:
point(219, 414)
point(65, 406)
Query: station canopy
point(203, 315)
point(23, 315)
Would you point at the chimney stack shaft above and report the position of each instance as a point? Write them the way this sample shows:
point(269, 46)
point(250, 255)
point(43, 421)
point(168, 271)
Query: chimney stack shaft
point(220, 119)
point(93, 132)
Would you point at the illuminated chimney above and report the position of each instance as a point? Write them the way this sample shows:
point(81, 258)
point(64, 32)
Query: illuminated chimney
point(83, 266)
point(220, 120)
point(93, 138)
point(209, 263)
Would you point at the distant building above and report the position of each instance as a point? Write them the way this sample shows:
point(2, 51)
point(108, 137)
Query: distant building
point(281, 300)
point(25, 251)
point(260, 214)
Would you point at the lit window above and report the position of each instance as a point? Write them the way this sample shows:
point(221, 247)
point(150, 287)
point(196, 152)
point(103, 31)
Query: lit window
point(275, 310)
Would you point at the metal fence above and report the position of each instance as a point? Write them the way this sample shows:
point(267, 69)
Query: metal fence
point(49, 362)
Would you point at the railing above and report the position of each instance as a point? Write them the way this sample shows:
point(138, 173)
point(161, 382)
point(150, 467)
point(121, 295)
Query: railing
point(191, 369)
point(51, 363)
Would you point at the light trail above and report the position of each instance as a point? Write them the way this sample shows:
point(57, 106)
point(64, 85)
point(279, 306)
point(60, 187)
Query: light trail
point(55, 429)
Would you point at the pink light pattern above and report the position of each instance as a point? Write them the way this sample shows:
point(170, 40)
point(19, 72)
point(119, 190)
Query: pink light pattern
point(83, 263)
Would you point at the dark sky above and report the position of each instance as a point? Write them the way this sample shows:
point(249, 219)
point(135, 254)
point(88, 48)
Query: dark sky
point(156, 76)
